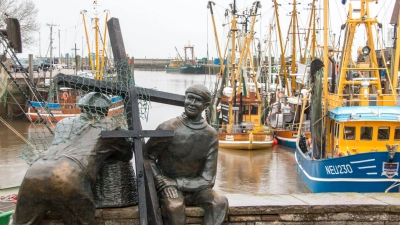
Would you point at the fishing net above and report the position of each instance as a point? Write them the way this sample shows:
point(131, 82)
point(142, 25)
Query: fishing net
point(65, 111)
point(69, 112)
point(317, 116)
point(65, 97)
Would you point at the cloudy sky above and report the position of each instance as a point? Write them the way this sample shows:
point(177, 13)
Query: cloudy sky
point(153, 28)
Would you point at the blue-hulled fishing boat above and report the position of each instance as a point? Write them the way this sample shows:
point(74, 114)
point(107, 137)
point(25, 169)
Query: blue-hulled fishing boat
point(355, 123)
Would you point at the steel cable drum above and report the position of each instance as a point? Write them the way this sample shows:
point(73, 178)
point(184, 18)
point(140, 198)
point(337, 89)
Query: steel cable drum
point(115, 185)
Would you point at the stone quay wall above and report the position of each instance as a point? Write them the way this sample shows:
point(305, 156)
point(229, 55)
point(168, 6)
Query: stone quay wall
point(294, 209)
point(264, 215)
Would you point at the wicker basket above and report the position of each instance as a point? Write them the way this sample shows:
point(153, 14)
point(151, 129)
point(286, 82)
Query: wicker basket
point(115, 185)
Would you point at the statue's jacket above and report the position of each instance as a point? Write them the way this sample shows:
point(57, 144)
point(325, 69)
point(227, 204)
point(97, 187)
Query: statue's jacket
point(70, 166)
point(190, 157)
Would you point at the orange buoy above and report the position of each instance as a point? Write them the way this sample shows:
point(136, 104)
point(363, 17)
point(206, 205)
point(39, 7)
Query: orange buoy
point(65, 96)
point(275, 141)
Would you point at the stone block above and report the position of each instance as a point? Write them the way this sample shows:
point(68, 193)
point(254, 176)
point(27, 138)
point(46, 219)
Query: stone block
point(272, 217)
point(52, 222)
point(284, 223)
point(131, 212)
point(393, 217)
point(330, 223)
point(391, 223)
point(194, 220)
point(98, 213)
point(341, 216)
point(99, 221)
point(348, 208)
point(122, 222)
point(371, 216)
point(194, 211)
point(251, 210)
point(303, 217)
point(365, 223)
point(394, 208)
point(244, 218)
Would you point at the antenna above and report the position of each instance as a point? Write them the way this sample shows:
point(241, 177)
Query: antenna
point(51, 58)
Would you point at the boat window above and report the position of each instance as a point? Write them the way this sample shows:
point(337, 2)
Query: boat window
point(383, 133)
point(245, 110)
point(366, 133)
point(397, 133)
point(337, 130)
point(349, 133)
point(254, 109)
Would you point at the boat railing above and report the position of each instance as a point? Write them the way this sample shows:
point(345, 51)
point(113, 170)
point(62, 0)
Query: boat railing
point(239, 128)
point(368, 99)
point(295, 127)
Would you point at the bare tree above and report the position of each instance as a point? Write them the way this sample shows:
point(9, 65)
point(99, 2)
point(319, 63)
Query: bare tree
point(26, 12)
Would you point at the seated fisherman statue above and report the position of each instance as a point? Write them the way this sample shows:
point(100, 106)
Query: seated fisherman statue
point(62, 180)
point(185, 166)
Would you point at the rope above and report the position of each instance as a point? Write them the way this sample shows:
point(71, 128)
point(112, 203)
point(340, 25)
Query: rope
point(20, 88)
point(16, 132)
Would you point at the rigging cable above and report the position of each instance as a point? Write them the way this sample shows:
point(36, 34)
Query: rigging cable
point(16, 132)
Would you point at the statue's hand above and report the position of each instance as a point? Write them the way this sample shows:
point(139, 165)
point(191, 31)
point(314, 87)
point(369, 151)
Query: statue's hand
point(162, 182)
point(171, 192)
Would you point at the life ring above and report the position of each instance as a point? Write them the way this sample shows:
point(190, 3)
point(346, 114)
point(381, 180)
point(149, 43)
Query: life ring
point(278, 94)
point(65, 96)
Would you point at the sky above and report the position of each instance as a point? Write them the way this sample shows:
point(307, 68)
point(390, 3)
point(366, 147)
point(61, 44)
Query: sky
point(153, 28)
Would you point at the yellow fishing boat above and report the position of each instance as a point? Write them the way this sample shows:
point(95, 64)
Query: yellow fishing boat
point(236, 110)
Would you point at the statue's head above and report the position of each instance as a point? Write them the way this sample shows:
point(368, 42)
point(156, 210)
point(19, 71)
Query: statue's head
point(95, 103)
point(197, 98)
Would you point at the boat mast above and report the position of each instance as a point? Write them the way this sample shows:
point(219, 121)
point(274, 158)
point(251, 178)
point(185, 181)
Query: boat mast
point(104, 48)
point(99, 65)
point(326, 60)
point(283, 64)
point(269, 57)
point(294, 28)
point(397, 56)
point(233, 46)
point(313, 36)
point(87, 39)
point(221, 59)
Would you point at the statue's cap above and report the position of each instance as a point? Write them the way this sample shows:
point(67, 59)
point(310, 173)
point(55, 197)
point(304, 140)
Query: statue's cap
point(200, 90)
point(95, 99)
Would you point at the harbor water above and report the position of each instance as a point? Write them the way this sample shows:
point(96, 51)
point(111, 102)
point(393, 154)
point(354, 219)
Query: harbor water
point(258, 172)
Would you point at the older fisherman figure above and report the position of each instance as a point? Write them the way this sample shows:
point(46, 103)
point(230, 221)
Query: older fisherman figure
point(62, 180)
point(185, 166)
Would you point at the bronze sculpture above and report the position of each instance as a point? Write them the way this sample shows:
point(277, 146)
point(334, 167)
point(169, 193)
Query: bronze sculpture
point(184, 167)
point(62, 179)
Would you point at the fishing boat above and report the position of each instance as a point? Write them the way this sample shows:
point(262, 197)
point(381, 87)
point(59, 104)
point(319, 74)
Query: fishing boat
point(174, 65)
point(236, 110)
point(285, 117)
point(66, 107)
point(355, 123)
point(187, 65)
point(286, 103)
point(61, 102)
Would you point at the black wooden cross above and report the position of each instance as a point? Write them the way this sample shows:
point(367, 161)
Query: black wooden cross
point(148, 203)
point(149, 209)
